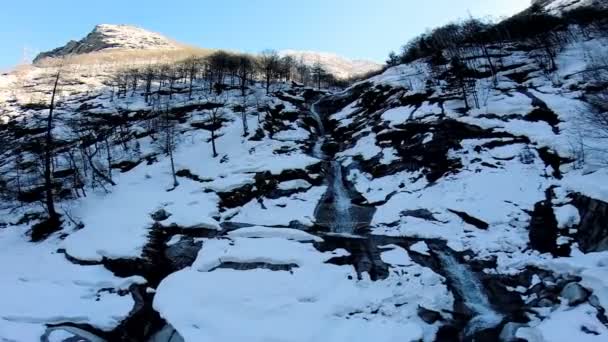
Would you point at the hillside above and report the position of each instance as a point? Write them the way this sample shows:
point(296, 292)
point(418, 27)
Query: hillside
point(126, 42)
point(112, 37)
point(338, 66)
point(459, 196)
point(560, 6)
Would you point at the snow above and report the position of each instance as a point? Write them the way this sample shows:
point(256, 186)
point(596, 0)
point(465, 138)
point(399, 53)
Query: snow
point(420, 247)
point(125, 212)
point(308, 298)
point(265, 232)
point(578, 318)
point(297, 207)
point(593, 185)
point(398, 115)
point(313, 301)
point(567, 216)
point(365, 147)
point(295, 184)
point(40, 286)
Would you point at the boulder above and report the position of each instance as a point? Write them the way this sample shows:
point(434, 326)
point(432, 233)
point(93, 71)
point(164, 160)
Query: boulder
point(509, 332)
point(160, 215)
point(574, 293)
point(428, 316)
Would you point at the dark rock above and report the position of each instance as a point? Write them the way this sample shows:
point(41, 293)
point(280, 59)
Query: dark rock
point(448, 333)
point(44, 228)
point(183, 253)
point(592, 235)
point(365, 256)
point(545, 303)
point(551, 158)
point(423, 214)
point(543, 229)
point(185, 173)
point(546, 115)
point(246, 266)
point(428, 316)
point(160, 215)
point(470, 219)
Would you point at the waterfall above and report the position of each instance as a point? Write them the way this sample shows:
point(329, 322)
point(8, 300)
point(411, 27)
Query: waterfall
point(343, 222)
point(342, 219)
point(317, 150)
point(468, 286)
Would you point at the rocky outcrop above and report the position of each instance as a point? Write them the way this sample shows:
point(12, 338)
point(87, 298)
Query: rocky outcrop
point(543, 227)
point(592, 233)
point(103, 37)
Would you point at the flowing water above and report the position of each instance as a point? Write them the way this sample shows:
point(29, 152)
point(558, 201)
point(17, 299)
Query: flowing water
point(468, 286)
point(343, 221)
point(317, 150)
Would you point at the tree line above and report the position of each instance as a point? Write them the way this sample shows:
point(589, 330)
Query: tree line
point(41, 166)
point(221, 69)
point(455, 51)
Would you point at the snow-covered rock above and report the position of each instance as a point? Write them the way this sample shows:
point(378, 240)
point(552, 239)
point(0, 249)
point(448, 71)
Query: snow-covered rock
point(115, 37)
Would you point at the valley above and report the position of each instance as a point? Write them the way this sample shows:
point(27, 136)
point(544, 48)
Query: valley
point(457, 194)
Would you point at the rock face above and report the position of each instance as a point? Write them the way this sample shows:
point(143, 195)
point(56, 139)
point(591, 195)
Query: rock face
point(543, 228)
point(105, 36)
point(593, 231)
point(558, 6)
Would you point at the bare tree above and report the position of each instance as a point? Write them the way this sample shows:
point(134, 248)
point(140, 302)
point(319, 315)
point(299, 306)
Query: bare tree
point(48, 155)
point(167, 140)
point(216, 103)
point(245, 71)
point(318, 73)
point(192, 66)
point(269, 62)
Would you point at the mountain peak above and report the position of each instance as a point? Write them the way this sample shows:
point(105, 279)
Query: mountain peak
point(111, 36)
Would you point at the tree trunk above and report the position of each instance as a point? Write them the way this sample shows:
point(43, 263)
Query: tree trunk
point(48, 155)
point(175, 182)
point(267, 82)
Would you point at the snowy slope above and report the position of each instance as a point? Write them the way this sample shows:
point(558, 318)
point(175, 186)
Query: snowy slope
point(559, 6)
point(460, 223)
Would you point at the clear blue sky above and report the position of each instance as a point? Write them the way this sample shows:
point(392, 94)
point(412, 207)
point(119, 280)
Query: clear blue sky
point(353, 28)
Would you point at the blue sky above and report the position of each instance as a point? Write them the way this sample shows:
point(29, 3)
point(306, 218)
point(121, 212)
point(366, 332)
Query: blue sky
point(354, 28)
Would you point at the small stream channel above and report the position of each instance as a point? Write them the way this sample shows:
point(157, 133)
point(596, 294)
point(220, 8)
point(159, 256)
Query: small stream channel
point(336, 211)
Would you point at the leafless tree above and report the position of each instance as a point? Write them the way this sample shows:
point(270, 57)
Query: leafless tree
point(268, 63)
point(167, 138)
point(245, 71)
point(318, 73)
point(216, 102)
point(48, 154)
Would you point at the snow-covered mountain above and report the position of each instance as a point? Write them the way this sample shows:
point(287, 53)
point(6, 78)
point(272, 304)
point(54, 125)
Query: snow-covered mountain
point(338, 66)
point(422, 204)
point(107, 37)
point(116, 37)
point(559, 6)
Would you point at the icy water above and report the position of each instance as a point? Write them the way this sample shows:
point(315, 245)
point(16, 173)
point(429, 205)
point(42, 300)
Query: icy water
point(317, 150)
point(342, 219)
point(468, 286)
